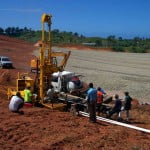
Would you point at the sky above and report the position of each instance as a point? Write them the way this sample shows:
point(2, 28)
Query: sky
point(125, 18)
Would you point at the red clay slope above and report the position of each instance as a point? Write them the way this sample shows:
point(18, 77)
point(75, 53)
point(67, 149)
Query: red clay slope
point(19, 51)
point(83, 47)
point(43, 129)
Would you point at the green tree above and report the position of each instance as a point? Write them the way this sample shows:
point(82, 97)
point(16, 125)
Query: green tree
point(8, 31)
point(76, 34)
point(98, 42)
point(120, 38)
point(111, 40)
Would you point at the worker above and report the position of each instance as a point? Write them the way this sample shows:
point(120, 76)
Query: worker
point(16, 103)
point(116, 108)
point(102, 90)
point(50, 93)
point(99, 100)
point(28, 95)
point(91, 100)
point(127, 104)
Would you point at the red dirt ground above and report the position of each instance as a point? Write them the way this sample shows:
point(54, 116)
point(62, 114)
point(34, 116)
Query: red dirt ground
point(44, 129)
point(83, 47)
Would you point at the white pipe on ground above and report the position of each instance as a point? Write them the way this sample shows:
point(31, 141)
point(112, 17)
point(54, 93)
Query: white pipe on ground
point(116, 122)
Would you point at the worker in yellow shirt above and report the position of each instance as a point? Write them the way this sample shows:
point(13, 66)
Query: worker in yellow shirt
point(28, 95)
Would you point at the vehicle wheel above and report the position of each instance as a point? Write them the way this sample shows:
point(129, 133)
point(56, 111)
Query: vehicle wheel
point(1, 67)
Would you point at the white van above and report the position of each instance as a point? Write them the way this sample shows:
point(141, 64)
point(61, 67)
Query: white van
point(5, 62)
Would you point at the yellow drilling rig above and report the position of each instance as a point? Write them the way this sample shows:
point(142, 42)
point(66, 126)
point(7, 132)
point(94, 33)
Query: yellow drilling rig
point(45, 66)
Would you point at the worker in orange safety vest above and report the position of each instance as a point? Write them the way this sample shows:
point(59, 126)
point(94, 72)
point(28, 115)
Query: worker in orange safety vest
point(99, 100)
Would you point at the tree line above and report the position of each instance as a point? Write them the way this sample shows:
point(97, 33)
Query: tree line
point(136, 45)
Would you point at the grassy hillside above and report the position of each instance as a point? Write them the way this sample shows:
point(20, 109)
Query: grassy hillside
point(136, 45)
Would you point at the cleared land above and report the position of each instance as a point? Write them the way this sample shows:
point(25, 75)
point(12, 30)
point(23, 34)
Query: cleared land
point(44, 129)
point(115, 72)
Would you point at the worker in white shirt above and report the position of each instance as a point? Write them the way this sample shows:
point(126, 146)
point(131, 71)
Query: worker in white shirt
point(16, 103)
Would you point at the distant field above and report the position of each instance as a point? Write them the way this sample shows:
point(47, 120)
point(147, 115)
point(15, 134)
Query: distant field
point(114, 71)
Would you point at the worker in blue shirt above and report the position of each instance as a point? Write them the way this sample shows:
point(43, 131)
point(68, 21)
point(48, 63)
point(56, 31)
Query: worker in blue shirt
point(91, 100)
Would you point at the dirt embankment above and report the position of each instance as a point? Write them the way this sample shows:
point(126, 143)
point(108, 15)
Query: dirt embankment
point(19, 51)
point(41, 128)
point(83, 47)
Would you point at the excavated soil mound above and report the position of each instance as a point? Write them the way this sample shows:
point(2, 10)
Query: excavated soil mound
point(43, 129)
point(18, 51)
point(5, 77)
point(135, 103)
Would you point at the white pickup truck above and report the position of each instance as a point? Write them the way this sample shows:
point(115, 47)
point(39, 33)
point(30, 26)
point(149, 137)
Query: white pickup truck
point(5, 62)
